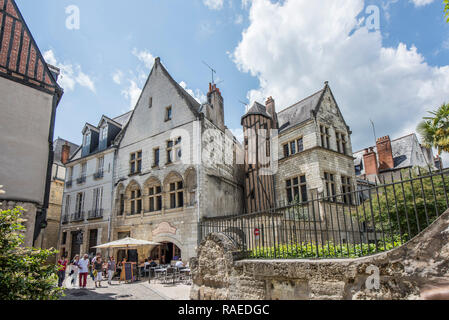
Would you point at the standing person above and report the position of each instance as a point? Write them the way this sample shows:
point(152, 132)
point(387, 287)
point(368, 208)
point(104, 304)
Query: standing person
point(94, 259)
point(62, 264)
point(83, 265)
point(111, 269)
point(75, 269)
point(97, 266)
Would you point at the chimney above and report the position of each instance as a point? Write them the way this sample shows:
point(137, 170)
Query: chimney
point(271, 109)
point(65, 153)
point(370, 161)
point(385, 153)
point(215, 100)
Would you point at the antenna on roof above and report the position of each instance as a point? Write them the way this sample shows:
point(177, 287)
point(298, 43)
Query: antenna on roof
point(374, 131)
point(212, 70)
point(246, 105)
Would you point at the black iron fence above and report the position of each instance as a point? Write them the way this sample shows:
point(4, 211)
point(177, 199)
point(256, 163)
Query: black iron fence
point(346, 225)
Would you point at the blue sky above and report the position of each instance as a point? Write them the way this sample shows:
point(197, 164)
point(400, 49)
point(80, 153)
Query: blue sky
point(261, 48)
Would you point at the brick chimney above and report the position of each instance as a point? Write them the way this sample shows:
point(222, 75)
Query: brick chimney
point(370, 161)
point(385, 153)
point(271, 109)
point(65, 153)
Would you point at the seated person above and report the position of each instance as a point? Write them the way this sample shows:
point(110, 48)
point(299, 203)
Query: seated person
point(153, 264)
point(179, 264)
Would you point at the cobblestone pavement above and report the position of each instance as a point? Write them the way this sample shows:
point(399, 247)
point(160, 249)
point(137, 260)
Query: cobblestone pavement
point(134, 291)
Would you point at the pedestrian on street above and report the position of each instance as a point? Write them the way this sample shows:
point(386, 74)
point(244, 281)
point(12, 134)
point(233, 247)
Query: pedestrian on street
point(83, 265)
point(75, 269)
point(62, 266)
point(98, 268)
point(111, 269)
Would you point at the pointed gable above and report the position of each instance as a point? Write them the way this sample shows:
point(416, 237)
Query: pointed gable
point(20, 57)
point(148, 118)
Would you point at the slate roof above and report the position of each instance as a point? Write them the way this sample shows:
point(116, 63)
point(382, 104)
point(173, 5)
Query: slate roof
point(123, 119)
point(299, 112)
point(57, 149)
point(259, 109)
point(404, 153)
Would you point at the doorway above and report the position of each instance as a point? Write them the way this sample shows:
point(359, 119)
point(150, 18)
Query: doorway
point(165, 253)
point(77, 241)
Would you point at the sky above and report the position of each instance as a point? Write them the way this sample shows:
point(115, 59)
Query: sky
point(386, 61)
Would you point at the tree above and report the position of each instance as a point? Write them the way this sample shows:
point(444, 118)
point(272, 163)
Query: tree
point(407, 208)
point(446, 9)
point(435, 130)
point(24, 274)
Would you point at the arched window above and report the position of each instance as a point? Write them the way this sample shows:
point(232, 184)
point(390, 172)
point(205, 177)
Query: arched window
point(174, 187)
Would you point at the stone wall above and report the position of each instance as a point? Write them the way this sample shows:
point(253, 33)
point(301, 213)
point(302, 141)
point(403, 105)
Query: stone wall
point(405, 273)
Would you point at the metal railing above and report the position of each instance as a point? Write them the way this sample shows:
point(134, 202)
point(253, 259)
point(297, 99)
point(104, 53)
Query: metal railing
point(77, 216)
point(81, 180)
point(99, 174)
point(346, 225)
point(95, 214)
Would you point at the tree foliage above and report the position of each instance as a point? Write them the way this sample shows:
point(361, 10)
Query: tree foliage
point(407, 208)
point(24, 273)
point(446, 9)
point(434, 130)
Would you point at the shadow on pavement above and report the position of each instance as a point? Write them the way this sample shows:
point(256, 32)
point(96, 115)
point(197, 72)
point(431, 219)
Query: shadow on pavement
point(77, 294)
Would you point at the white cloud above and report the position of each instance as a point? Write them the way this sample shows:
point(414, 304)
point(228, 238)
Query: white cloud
point(213, 4)
point(421, 3)
point(117, 77)
point(70, 74)
point(132, 93)
point(144, 56)
point(292, 56)
point(197, 94)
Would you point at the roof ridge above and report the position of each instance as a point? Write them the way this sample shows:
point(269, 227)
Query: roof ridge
point(320, 91)
point(393, 140)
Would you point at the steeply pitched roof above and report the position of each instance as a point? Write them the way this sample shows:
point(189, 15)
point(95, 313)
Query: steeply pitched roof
point(57, 149)
point(123, 119)
point(299, 112)
point(20, 57)
point(402, 149)
point(259, 109)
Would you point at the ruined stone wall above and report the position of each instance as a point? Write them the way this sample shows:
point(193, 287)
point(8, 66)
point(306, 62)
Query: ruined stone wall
point(405, 273)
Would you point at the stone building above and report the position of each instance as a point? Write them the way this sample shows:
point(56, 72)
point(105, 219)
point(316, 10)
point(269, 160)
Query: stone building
point(152, 174)
point(87, 201)
point(389, 157)
point(175, 164)
point(314, 155)
point(48, 238)
point(29, 98)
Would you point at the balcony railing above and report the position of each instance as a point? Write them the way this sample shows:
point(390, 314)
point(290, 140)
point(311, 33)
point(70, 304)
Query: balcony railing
point(95, 214)
point(78, 216)
point(69, 184)
point(81, 180)
point(99, 174)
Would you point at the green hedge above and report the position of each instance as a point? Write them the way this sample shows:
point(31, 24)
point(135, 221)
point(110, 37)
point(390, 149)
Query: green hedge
point(327, 250)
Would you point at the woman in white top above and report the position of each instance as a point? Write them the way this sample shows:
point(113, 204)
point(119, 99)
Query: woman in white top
point(75, 269)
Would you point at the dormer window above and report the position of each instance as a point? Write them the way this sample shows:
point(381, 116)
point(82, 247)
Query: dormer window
point(104, 132)
point(87, 138)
